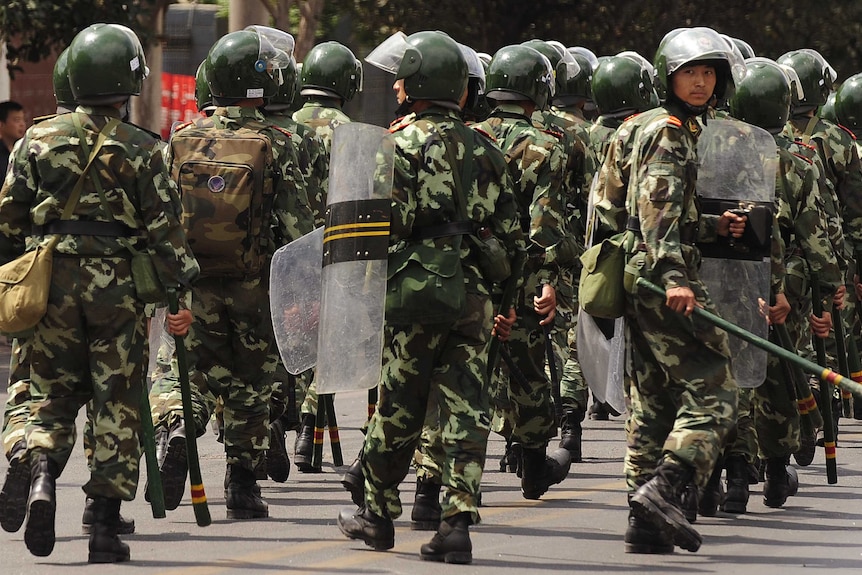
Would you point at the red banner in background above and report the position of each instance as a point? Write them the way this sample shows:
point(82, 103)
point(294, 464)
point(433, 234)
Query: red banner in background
point(178, 101)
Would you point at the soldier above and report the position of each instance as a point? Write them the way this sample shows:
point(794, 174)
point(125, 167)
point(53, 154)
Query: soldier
point(682, 395)
point(232, 351)
point(434, 184)
point(104, 355)
point(330, 77)
point(839, 160)
point(763, 99)
point(521, 81)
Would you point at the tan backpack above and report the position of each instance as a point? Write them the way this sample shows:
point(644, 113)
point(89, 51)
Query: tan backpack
point(225, 178)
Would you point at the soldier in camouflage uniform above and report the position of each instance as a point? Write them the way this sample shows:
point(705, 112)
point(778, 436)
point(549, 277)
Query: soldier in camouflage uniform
point(763, 99)
point(519, 82)
point(13, 497)
point(840, 161)
point(231, 349)
point(314, 165)
point(330, 77)
point(102, 358)
point(449, 359)
point(566, 117)
point(681, 393)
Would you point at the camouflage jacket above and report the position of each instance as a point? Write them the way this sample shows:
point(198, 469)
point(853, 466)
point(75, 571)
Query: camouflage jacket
point(48, 161)
point(424, 187)
point(323, 118)
point(802, 217)
point(657, 152)
point(836, 147)
point(313, 162)
point(536, 163)
point(601, 134)
point(292, 213)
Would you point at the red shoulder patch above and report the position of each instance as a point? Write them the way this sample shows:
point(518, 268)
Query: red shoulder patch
point(557, 135)
point(846, 129)
point(636, 114)
point(804, 145)
point(674, 121)
point(801, 157)
point(182, 126)
point(283, 131)
point(399, 124)
point(484, 133)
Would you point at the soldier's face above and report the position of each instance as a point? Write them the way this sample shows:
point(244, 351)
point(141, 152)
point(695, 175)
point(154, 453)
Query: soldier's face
point(398, 88)
point(694, 84)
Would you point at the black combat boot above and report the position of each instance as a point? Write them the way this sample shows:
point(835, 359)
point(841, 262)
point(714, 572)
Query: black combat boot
point(174, 467)
point(807, 448)
point(426, 506)
point(658, 501)
point(781, 482)
point(736, 497)
point(277, 460)
point(105, 546)
point(377, 532)
point(644, 537)
point(511, 460)
point(13, 497)
point(124, 527)
point(539, 471)
point(242, 495)
point(304, 447)
point(570, 433)
point(713, 493)
point(451, 543)
point(354, 482)
point(41, 506)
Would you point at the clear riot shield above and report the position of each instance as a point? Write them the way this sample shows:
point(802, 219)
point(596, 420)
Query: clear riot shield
point(294, 292)
point(737, 170)
point(355, 247)
point(602, 344)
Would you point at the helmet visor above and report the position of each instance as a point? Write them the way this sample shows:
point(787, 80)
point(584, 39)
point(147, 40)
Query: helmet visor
point(276, 49)
point(587, 53)
point(828, 70)
point(388, 55)
point(793, 78)
point(693, 44)
point(548, 76)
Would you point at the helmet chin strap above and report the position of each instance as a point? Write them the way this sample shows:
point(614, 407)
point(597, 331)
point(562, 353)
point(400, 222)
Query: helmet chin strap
point(404, 107)
point(693, 110)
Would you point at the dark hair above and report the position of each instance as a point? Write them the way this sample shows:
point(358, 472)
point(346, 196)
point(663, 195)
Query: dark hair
point(9, 106)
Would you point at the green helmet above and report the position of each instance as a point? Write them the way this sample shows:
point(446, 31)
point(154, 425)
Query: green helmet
point(248, 64)
point(581, 84)
point(623, 84)
point(331, 69)
point(848, 103)
point(62, 88)
point(816, 76)
point(106, 64)
point(430, 63)
point(520, 73)
point(762, 97)
point(744, 48)
point(827, 110)
point(566, 68)
point(684, 46)
point(203, 96)
point(287, 91)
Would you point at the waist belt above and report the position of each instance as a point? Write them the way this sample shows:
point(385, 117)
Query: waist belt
point(443, 230)
point(85, 228)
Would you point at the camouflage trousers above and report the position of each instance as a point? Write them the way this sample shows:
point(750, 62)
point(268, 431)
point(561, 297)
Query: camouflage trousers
point(166, 403)
point(418, 362)
point(17, 408)
point(89, 350)
point(742, 440)
point(574, 392)
point(776, 415)
point(231, 346)
point(681, 394)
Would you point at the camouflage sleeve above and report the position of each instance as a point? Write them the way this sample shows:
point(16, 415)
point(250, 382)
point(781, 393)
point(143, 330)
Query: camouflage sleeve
point(810, 228)
point(293, 214)
point(848, 169)
point(661, 202)
point(610, 194)
point(158, 200)
point(16, 197)
point(403, 202)
point(776, 259)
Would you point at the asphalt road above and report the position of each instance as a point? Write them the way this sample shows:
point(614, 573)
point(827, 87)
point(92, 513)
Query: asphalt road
point(577, 527)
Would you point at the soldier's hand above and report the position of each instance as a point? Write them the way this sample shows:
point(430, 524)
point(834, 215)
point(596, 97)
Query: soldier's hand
point(179, 323)
point(821, 326)
point(778, 313)
point(681, 299)
point(838, 298)
point(546, 305)
point(857, 287)
point(731, 224)
point(503, 325)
